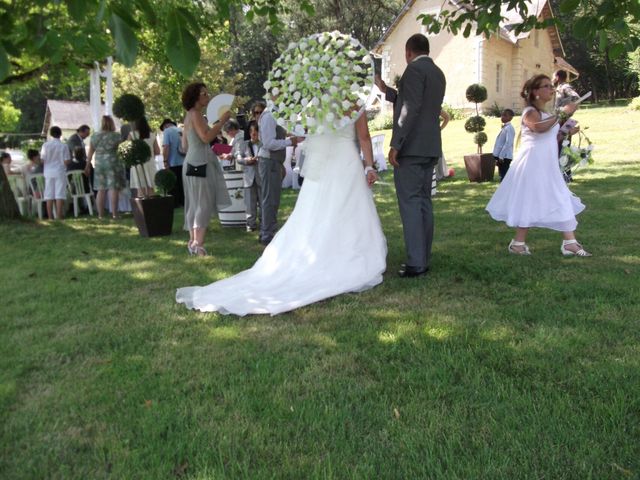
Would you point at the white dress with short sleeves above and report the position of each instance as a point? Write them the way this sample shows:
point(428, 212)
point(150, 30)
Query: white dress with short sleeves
point(143, 176)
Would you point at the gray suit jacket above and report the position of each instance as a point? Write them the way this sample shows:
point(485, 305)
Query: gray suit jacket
point(416, 110)
point(74, 142)
point(249, 172)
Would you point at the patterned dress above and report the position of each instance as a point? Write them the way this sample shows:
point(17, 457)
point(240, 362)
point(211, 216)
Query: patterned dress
point(108, 170)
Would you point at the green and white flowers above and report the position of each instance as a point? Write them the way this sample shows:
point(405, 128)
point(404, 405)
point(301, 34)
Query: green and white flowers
point(321, 82)
point(573, 157)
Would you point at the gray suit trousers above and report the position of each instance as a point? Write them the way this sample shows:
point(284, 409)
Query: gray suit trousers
point(251, 201)
point(270, 186)
point(413, 189)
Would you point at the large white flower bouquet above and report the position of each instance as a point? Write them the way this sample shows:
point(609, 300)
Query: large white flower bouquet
point(320, 83)
point(575, 156)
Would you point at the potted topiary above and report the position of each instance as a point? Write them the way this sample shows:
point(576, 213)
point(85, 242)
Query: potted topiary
point(165, 180)
point(480, 167)
point(153, 215)
point(129, 108)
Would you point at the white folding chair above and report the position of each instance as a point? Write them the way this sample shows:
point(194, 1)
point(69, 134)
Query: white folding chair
point(295, 172)
point(21, 193)
point(78, 189)
point(287, 180)
point(377, 142)
point(434, 184)
point(36, 186)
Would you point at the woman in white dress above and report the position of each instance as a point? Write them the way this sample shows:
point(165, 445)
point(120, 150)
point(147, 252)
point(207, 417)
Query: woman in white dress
point(143, 176)
point(533, 193)
point(331, 244)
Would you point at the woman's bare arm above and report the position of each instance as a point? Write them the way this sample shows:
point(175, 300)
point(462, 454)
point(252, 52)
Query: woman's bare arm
point(445, 118)
point(206, 134)
point(364, 137)
point(533, 118)
point(362, 130)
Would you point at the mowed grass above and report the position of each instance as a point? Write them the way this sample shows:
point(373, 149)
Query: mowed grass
point(494, 366)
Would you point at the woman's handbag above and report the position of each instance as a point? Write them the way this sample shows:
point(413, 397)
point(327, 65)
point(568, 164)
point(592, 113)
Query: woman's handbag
point(196, 171)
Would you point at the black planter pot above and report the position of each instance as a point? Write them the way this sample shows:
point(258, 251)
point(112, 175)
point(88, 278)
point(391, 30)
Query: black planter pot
point(153, 215)
point(480, 167)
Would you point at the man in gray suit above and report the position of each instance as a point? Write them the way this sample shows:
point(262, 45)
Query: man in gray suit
point(416, 146)
point(77, 148)
point(271, 157)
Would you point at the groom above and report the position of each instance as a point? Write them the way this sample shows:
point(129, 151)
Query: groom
point(416, 146)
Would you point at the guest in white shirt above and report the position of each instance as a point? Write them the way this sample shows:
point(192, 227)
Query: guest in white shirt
point(503, 148)
point(236, 139)
point(55, 158)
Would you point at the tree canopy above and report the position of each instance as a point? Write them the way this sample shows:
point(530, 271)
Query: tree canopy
point(72, 34)
point(607, 22)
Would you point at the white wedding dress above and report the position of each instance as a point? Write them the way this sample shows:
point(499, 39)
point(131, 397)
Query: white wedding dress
point(331, 244)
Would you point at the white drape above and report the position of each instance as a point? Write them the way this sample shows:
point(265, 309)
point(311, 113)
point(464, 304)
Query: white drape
point(108, 94)
point(95, 92)
point(94, 98)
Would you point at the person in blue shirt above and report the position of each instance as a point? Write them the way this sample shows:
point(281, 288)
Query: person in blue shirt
point(503, 148)
point(173, 156)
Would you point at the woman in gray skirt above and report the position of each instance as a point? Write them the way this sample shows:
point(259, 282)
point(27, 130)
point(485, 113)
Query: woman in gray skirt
point(205, 191)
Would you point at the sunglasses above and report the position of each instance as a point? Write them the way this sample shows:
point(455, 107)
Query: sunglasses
point(257, 112)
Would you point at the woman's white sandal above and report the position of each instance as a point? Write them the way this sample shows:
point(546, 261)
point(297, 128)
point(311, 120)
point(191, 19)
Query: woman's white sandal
point(199, 250)
point(516, 251)
point(581, 252)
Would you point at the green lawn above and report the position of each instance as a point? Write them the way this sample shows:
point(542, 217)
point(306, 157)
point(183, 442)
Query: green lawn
point(492, 367)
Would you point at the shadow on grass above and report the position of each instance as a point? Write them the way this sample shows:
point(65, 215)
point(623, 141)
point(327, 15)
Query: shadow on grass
point(491, 366)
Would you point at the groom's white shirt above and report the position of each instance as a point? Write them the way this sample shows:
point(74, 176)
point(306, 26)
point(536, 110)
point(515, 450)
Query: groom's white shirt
point(267, 131)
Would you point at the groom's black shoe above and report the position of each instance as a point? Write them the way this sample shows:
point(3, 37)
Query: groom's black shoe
point(265, 241)
point(407, 271)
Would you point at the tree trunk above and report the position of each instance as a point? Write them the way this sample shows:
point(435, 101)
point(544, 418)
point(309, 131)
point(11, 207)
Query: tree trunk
point(8, 205)
point(607, 68)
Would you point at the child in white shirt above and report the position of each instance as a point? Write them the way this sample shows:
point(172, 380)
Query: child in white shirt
point(55, 157)
point(503, 148)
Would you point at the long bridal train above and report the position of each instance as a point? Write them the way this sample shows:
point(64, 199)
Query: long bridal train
point(331, 244)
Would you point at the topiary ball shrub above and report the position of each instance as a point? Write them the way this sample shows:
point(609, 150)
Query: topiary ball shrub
point(165, 180)
point(134, 152)
point(480, 139)
point(476, 93)
point(128, 107)
point(475, 124)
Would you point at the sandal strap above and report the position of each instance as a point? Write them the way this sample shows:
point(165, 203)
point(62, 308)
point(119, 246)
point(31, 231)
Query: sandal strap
point(525, 248)
point(580, 252)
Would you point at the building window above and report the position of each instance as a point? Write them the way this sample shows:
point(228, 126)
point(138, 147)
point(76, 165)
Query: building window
point(498, 77)
point(536, 38)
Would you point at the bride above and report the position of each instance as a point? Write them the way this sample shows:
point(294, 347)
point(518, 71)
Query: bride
point(331, 244)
